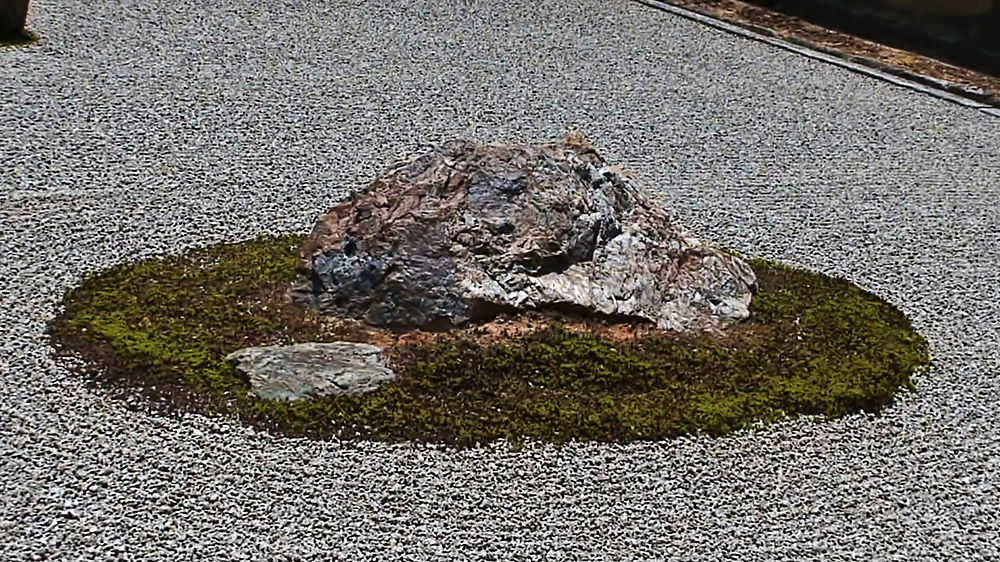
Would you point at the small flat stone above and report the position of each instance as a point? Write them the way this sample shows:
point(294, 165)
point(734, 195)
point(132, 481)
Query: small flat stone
point(309, 370)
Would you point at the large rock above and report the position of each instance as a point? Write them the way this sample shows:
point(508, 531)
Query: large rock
point(308, 370)
point(465, 230)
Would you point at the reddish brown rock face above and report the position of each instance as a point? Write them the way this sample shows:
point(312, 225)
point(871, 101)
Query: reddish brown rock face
point(465, 230)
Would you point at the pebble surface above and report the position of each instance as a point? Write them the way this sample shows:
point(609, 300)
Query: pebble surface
point(142, 128)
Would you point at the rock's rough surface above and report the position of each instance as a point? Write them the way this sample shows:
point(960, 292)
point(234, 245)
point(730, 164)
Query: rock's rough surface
point(308, 370)
point(464, 230)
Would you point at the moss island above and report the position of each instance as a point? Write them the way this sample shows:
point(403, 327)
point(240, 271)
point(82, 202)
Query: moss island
point(813, 345)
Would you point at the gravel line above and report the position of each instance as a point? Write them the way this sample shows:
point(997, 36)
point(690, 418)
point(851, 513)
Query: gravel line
point(136, 128)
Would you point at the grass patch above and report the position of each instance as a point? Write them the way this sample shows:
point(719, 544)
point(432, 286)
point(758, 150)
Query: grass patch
point(813, 345)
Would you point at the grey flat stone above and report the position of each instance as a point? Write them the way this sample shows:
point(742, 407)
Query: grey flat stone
point(309, 370)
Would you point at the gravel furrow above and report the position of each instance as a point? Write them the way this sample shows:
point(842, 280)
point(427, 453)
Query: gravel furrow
point(138, 128)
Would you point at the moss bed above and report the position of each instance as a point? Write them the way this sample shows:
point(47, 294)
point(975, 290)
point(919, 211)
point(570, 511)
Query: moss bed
point(813, 345)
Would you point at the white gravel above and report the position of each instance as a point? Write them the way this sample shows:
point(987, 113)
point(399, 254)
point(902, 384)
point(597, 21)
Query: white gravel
point(142, 127)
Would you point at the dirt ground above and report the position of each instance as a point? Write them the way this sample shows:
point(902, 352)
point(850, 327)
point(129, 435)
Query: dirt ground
point(982, 87)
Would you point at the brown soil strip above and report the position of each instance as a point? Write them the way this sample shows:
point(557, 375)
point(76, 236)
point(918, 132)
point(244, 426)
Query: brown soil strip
point(962, 81)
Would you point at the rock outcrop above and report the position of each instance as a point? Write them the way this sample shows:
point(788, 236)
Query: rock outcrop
point(465, 230)
point(309, 370)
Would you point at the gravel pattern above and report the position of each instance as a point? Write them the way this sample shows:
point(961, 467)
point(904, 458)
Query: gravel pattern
point(138, 128)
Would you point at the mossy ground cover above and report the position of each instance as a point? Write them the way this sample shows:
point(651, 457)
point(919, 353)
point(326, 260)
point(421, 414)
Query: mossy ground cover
point(813, 345)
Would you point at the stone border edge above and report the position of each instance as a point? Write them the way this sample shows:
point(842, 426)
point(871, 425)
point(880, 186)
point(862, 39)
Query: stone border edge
point(940, 89)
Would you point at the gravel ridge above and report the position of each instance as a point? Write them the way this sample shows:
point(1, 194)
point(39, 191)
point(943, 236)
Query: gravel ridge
point(140, 128)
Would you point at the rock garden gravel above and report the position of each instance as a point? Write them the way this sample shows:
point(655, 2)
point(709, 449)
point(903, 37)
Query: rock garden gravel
point(140, 128)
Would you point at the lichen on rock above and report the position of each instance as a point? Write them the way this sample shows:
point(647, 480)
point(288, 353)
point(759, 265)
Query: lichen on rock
point(465, 230)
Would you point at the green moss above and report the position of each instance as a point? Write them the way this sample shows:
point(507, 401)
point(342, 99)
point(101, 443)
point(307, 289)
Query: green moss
point(814, 345)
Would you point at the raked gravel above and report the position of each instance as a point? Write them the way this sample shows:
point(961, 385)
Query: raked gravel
point(144, 127)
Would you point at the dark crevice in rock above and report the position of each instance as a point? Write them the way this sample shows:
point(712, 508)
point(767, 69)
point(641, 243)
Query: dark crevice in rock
point(543, 264)
point(573, 310)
